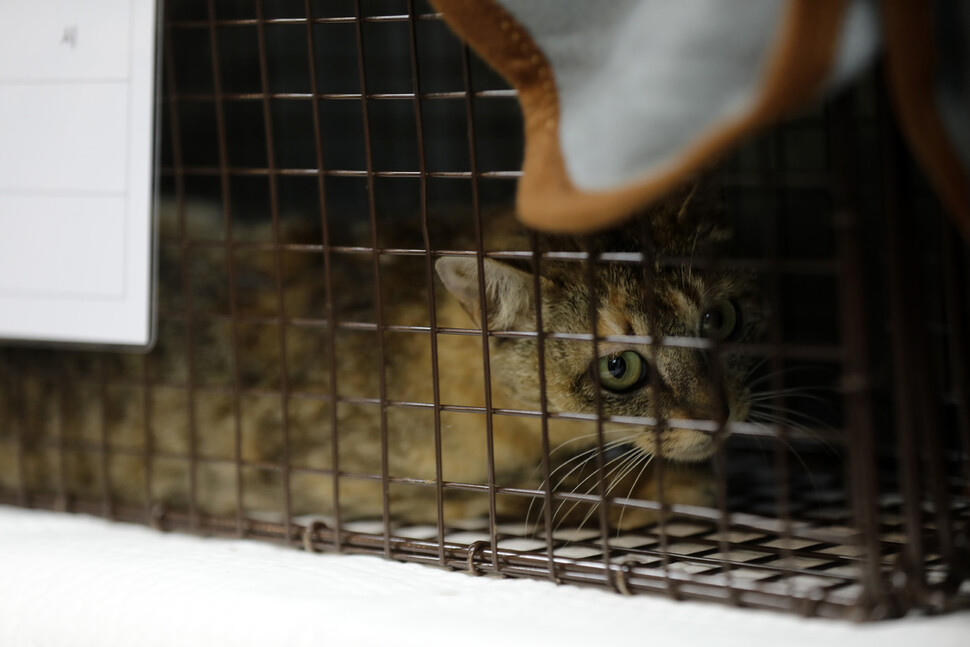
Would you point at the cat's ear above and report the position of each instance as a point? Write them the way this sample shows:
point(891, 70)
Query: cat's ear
point(509, 302)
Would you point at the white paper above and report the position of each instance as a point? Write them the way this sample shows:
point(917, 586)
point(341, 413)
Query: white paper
point(77, 132)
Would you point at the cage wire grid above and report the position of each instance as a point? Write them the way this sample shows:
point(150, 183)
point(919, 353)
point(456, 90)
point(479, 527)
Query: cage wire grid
point(350, 111)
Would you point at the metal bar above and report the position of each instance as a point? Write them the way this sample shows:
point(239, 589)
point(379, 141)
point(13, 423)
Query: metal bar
point(602, 495)
point(772, 167)
point(277, 264)
point(547, 516)
point(226, 194)
point(906, 380)
point(429, 278)
point(171, 88)
point(483, 298)
point(19, 410)
point(148, 435)
point(661, 425)
point(361, 173)
point(346, 96)
point(63, 379)
point(107, 504)
point(378, 293)
point(958, 325)
point(325, 248)
point(718, 396)
point(795, 266)
point(857, 380)
point(243, 22)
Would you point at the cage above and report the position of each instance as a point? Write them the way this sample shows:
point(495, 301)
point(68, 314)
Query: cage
point(335, 182)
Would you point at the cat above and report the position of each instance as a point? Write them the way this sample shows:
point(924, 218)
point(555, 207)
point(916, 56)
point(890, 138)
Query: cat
point(84, 425)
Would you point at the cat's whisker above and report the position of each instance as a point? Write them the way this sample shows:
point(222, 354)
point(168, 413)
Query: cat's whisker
point(792, 419)
point(792, 392)
point(633, 485)
point(626, 463)
point(689, 274)
point(761, 379)
point(581, 460)
point(781, 421)
point(622, 460)
point(801, 461)
point(577, 439)
point(751, 371)
point(587, 455)
point(765, 405)
point(630, 466)
point(593, 475)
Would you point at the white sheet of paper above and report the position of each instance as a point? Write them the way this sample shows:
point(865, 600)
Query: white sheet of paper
point(77, 133)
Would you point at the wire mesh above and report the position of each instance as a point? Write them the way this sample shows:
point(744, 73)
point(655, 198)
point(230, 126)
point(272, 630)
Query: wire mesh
point(320, 158)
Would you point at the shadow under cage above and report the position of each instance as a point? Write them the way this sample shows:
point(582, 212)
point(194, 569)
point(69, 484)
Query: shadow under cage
point(755, 392)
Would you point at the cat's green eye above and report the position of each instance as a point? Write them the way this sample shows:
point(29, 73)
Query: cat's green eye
point(623, 372)
point(720, 321)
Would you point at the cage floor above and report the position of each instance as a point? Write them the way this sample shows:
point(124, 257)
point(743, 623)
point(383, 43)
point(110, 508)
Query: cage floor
point(810, 566)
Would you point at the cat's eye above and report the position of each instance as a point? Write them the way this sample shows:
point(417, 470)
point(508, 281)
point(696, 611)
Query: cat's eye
point(720, 321)
point(622, 372)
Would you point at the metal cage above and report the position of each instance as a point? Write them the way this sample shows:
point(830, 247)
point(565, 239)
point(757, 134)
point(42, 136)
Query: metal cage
point(369, 125)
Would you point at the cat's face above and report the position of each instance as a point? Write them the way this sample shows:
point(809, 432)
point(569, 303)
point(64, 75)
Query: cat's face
point(690, 388)
point(685, 381)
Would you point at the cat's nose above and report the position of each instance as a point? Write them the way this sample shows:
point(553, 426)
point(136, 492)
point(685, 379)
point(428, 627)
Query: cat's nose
point(718, 402)
point(707, 363)
point(722, 405)
point(710, 403)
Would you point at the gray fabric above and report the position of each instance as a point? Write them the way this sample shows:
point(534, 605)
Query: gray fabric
point(637, 79)
point(859, 43)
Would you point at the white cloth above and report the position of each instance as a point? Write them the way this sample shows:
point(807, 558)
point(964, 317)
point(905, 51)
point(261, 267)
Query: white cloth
point(78, 581)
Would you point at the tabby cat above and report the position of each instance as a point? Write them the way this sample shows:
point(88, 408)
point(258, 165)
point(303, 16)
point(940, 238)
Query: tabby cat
point(224, 383)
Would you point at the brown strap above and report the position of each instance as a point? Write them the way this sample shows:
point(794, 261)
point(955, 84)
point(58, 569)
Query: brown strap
point(910, 67)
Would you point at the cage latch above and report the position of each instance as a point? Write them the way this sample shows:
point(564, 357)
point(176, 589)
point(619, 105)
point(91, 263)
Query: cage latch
point(473, 549)
point(310, 535)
